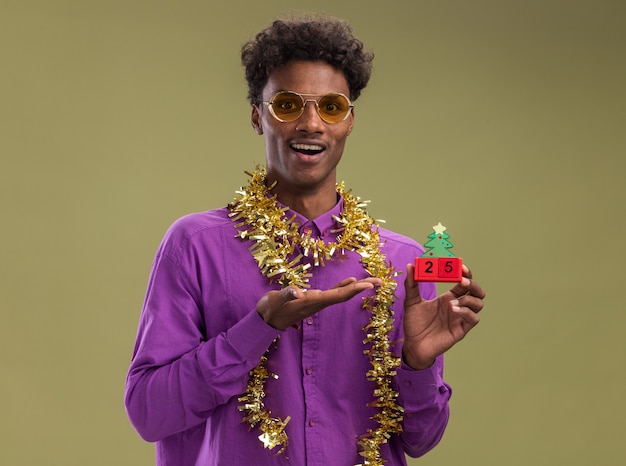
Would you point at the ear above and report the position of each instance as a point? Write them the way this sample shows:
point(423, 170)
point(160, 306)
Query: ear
point(351, 121)
point(255, 119)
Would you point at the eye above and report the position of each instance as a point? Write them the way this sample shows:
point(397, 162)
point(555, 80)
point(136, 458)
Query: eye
point(332, 107)
point(334, 104)
point(287, 103)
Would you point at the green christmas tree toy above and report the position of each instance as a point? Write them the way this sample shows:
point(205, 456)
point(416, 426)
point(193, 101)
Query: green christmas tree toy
point(438, 264)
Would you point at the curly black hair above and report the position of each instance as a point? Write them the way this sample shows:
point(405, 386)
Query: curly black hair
point(307, 38)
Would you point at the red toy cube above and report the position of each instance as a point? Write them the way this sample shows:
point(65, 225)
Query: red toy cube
point(438, 269)
point(426, 269)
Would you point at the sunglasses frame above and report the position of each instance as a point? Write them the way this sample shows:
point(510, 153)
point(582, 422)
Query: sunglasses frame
point(305, 98)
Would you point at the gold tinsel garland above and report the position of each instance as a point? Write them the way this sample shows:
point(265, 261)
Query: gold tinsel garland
point(275, 238)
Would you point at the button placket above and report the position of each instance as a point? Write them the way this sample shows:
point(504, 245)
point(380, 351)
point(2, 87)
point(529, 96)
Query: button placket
point(310, 348)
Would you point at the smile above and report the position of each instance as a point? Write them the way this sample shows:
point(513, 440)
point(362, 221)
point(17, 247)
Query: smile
point(308, 149)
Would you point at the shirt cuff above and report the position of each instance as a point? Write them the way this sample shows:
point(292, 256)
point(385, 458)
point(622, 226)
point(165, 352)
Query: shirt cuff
point(251, 336)
point(420, 384)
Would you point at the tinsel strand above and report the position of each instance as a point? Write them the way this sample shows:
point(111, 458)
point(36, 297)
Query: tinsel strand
point(274, 238)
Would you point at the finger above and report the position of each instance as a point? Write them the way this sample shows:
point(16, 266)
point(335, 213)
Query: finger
point(350, 280)
point(472, 287)
point(374, 281)
point(468, 315)
point(476, 290)
point(344, 282)
point(468, 286)
point(473, 303)
point(461, 288)
point(340, 293)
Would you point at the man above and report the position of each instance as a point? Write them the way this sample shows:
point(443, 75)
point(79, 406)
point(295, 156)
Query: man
point(253, 347)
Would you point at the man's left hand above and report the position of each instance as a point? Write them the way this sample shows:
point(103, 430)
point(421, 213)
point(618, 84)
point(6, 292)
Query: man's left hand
point(433, 327)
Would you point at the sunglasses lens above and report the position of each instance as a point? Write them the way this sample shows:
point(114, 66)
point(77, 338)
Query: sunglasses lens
point(334, 108)
point(287, 106)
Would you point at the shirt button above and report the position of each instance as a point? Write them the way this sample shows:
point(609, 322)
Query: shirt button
point(306, 230)
point(309, 371)
point(309, 321)
point(311, 423)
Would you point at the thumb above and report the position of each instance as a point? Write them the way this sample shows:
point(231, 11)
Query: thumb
point(290, 293)
point(411, 287)
point(275, 299)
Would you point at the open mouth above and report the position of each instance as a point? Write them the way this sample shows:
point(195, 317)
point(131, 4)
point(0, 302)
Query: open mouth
point(307, 149)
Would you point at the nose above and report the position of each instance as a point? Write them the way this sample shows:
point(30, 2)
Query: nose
point(310, 120)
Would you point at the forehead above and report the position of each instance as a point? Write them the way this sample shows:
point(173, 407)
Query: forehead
point(306, 77)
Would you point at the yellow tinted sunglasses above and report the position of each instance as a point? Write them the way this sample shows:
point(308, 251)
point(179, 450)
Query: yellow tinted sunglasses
point(288, 106)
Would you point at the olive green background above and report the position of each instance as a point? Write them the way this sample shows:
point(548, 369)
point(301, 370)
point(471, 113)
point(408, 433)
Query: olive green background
point(504, 120)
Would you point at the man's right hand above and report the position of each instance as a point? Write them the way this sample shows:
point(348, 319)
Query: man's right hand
point(285, 308)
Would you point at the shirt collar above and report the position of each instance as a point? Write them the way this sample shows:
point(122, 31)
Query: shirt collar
point(322, 225)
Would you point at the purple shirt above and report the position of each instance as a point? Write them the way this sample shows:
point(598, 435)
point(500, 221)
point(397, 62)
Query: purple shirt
point(199, 336)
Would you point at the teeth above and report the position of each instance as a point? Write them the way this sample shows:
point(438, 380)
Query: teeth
point(307, 147)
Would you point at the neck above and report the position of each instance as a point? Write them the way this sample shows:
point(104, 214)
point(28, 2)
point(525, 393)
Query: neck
point(309, 205)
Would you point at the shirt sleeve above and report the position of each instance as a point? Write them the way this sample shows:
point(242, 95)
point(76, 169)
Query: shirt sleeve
point(178, 376)
point(424, 395)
